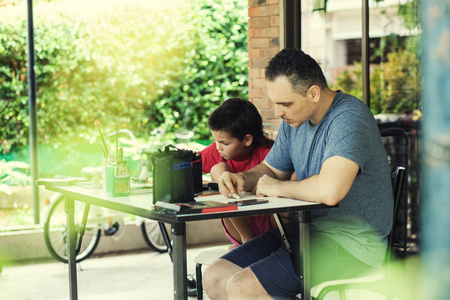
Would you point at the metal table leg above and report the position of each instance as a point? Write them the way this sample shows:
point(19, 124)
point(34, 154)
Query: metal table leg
point(82, 228)
point(166, 238)
point(304, 218)
point(179, 261)
point(72, 264)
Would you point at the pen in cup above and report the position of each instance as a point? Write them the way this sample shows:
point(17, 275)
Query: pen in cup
point(117, 141)
point(102, 140)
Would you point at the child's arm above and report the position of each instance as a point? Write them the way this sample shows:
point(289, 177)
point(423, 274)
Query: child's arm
point(238, 228)
point(218, 169)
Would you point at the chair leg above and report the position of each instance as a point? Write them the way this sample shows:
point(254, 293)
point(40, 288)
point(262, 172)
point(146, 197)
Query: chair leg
point(342, 295)
point(198, 279)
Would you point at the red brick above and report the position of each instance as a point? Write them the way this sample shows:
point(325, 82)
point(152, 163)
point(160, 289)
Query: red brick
point(274, 43)
point(269, 52)
point(265, 104)
point(255, 74)
point(254, 11)
point(255, 102)
point(269, 10)
point(267, 114)
point(259, 43)
point(270, 32)
point(252, 53)
point(258, 22)
point(254, 93)
point(259, 63)
point(274, 21)
point(254, 32)
point(263, 44)
point(256, 2)
point(259, 83)
point(262, 72)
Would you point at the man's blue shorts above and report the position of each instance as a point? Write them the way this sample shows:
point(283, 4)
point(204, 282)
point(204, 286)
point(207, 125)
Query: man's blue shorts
point(272, 264)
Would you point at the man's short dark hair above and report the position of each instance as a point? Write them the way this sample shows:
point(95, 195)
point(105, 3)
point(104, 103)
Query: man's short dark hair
point(299, 68)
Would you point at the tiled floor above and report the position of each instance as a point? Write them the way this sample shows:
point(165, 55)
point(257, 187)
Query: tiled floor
point(139, 276)
point(136, 276)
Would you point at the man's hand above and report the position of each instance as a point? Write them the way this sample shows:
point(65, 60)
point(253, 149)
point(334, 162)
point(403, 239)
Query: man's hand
point(266, 187)
point(230, 183)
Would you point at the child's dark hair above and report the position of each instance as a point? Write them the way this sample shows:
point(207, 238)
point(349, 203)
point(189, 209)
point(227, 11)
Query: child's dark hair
point(239, 117)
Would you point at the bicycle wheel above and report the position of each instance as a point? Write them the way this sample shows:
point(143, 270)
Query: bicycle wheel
point(56, 235)
point(153, 236)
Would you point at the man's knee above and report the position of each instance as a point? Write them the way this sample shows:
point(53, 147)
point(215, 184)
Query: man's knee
point(216, 275)
point(211, 279)
point(245, 285)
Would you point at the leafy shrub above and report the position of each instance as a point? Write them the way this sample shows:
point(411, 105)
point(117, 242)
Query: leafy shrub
point(215, 69)
point(13, 88)
point(61, 68)
point(13, 173)
point(394, 85)
point(134, 67)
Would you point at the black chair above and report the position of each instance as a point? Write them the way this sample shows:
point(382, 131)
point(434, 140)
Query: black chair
point(379, 281)
point(397, 144)
point(207, 257)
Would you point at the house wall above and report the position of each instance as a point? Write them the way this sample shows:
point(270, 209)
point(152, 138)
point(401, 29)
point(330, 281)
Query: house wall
point(323, 37)
point(263, 44)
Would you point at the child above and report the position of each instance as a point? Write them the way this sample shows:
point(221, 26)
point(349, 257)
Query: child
point(240, 144)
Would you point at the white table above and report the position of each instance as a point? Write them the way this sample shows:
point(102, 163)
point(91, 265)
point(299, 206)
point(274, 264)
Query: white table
point(141, 205)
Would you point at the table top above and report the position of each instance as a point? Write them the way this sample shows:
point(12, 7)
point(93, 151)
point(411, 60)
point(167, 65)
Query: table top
point(142, 204)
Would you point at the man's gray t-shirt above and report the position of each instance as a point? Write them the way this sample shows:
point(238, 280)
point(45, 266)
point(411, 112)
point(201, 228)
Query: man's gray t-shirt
point(363, 219)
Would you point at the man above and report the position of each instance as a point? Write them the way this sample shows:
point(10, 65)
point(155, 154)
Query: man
point(331, 141)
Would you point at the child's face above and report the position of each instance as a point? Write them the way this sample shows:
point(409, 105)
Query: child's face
point(230, 147)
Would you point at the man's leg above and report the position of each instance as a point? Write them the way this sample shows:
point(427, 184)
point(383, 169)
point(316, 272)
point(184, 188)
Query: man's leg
point(216, 276)
point(245, 285)
point(225, 280)
point(261, 266)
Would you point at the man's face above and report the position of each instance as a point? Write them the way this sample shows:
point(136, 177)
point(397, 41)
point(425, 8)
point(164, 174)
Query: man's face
point(292, 107)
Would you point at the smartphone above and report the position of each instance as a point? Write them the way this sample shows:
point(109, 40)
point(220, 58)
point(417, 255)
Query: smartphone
point(248, 202)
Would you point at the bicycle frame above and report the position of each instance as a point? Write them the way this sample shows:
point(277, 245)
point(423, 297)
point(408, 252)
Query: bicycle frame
point(93, 220)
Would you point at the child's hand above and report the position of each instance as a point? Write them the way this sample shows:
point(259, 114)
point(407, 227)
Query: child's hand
point(230, 183)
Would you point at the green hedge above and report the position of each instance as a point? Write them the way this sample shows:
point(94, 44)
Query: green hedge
point(394, 86)
point(217, 68)
point(140, 69)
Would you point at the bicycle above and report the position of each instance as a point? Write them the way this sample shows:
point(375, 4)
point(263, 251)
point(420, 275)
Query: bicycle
point(99, 220)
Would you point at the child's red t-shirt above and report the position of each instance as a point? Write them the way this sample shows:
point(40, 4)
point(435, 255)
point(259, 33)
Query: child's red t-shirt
point(211, 157)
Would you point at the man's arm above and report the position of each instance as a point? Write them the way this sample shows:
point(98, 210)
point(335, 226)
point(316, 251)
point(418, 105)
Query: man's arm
point(246, 181)
point(329, 187)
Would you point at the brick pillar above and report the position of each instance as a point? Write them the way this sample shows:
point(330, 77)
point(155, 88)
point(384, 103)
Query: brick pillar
point(263, 44)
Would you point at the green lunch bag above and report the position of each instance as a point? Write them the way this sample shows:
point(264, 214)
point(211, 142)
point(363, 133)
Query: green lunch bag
point(173, 175)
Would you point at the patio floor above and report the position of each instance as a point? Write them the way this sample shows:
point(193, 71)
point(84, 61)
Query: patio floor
point(135, 276)
point(141, 275)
